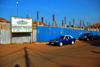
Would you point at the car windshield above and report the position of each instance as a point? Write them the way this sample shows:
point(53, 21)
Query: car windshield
point(85, 34)
point(96, 35)
point(60, 37)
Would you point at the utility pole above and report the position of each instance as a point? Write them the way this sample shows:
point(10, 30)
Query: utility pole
point(17, 8)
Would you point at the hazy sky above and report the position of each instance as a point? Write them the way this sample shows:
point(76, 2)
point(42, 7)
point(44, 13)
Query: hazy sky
point(85, 10)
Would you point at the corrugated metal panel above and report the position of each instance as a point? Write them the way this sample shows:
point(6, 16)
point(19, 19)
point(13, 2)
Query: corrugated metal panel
point(21, 37)
point(0, 36)
point(24, 37)
point(19, 40)
point(16, 37)
point(5, 36)
point(28, 39)
point(34, 35)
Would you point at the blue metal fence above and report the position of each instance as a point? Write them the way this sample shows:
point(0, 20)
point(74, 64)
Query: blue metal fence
point(47, 33)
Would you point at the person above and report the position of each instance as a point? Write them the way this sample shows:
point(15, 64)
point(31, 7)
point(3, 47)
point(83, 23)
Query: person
point(66, 37)
point(16, 65)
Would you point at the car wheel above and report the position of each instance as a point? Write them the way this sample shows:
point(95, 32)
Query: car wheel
point(60, 44)
point(49, 43)
point(92, 38)
point(79, 38)
point(87, 39)
point(72, 42)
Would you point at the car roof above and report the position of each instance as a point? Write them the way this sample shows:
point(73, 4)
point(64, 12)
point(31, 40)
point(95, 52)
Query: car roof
point(87, 33)
point(65, 35)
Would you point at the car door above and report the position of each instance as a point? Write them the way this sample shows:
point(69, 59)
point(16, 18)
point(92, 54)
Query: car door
point(63, 40)
point(70, 39)
point(91, 35)
point(66, 39)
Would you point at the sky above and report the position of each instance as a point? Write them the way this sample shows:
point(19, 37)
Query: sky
point(84, 10)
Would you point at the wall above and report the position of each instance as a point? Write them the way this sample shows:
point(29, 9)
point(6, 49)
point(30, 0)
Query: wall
point(41, 34)
point(21, 37)
point(5, 36)
point(47, 33)
point(16, 37)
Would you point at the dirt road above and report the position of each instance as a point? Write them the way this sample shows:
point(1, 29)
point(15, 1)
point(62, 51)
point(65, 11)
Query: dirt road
point(81, 54)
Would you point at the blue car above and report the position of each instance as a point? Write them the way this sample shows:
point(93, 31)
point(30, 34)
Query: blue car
point(63, 39)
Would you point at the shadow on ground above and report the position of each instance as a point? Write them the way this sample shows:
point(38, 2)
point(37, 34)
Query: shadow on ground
point(95, 52)
point(95, 42)
point(57, 44)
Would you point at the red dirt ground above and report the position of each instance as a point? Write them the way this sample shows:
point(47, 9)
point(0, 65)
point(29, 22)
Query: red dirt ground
point(41, 54)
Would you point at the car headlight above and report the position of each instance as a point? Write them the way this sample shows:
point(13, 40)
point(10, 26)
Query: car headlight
point(85, 36)
point(57, 41)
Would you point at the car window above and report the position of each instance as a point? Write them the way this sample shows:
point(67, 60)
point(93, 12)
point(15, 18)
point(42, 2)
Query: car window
point(66, 37)
point(70, 37)
point(83, 35)
point(86, 34)
point(96, 35)
point(91, 34)
point(60, 37)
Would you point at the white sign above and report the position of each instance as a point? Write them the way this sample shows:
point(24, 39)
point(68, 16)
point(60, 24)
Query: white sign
point(20, 24)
